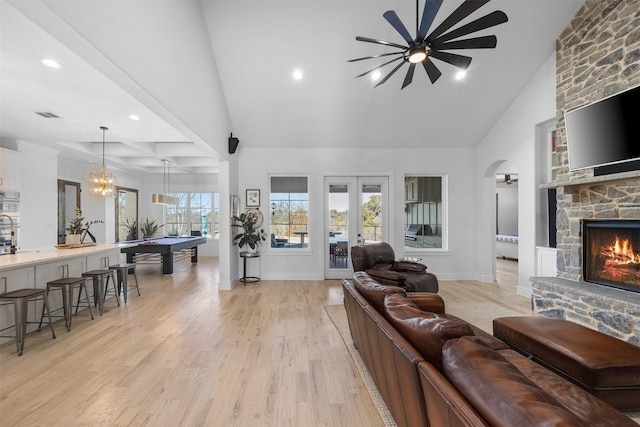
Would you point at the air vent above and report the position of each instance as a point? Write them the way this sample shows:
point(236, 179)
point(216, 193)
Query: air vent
point(47, 115)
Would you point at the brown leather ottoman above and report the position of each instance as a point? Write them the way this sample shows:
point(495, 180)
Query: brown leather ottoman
point(604, 366)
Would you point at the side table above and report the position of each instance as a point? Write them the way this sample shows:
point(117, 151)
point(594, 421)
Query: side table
point(248, 279)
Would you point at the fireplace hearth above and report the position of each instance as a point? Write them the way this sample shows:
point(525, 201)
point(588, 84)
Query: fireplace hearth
point(611, 253)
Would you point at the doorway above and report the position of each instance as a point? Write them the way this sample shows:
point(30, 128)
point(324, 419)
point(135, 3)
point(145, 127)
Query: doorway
point(356, 214)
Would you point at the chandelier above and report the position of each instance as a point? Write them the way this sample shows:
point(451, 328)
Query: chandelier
point(100, 182)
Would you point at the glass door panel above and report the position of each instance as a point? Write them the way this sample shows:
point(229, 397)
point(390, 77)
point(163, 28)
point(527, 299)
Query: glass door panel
point(371, 214)
point(355, 215)
point(338, 225)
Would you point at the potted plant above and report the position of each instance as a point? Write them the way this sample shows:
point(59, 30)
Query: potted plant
point(249, 236)
point(132, 229)
point(77, 229)
point(148, 228)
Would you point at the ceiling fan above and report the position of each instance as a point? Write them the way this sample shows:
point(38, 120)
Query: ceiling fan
point(432, 45)
point(507, 178)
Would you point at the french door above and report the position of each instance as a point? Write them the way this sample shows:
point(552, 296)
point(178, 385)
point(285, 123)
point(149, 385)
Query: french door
point(356, 213)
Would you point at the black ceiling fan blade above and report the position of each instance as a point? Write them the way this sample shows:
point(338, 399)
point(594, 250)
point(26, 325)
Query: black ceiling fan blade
point(464, 10)
point(429, 13)
point(390, 74)
point(374, 56)
point(378, 67)
point(408, 78)
point(454, 59)
point(432, 71)
point(485, 42)
point(494, 18)
point(386, 43)
point(396, 23)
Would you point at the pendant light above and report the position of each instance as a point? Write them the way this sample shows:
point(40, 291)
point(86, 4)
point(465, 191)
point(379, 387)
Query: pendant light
point(100, 182)
point(165, 198)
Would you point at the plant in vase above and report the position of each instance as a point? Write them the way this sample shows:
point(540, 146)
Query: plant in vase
point(78, 228)
point(132, 229)
point(149, 227)
point(250, 235)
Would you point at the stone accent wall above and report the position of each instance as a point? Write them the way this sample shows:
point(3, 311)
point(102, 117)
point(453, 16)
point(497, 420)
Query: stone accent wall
point(597, 55)
point(611, 311)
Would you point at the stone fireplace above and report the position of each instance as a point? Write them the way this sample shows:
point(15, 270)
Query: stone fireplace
point(597, 55)
point(609, 253)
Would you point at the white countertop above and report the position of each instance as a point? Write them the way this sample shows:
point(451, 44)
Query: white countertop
point(30, 258)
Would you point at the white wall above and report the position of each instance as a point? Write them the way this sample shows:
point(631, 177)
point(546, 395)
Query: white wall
point(256, 165)
point(39, 205)
point(513, 139)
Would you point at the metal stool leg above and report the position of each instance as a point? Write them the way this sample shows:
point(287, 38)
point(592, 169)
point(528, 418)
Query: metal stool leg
point(112, 277)
point(83, 285)
point(46, 304)
point(135, 276)
point(20, 311)
point(67, 303)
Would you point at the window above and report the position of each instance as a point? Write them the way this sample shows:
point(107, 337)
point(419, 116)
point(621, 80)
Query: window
point(195, 212)
point(289, 202)
point(424, 212)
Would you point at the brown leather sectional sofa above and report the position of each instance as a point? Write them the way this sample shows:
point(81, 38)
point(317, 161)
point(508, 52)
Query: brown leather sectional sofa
point(434, 369)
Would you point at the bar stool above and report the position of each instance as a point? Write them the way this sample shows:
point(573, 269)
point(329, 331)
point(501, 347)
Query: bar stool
point(123, 274)
point(100, 287)
point(20, 298)
point(66, 285)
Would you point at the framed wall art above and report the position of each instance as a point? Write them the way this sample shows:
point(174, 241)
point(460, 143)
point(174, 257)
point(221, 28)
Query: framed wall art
point(253, 199)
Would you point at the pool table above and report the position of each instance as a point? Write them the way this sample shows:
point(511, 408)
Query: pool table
point(166, 247)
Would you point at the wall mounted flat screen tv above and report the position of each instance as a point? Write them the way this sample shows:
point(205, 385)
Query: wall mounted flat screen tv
point(605, 132)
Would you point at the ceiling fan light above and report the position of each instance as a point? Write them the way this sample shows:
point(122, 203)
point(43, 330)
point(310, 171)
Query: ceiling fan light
point(417, 54)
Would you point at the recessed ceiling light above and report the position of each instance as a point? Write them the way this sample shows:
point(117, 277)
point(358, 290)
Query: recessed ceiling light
point(461, 74)
point(297, 74)
point(375, 75)
point(134, 117)
point(50, 63)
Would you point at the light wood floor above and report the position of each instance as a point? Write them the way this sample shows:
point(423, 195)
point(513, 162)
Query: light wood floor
point(184, 354)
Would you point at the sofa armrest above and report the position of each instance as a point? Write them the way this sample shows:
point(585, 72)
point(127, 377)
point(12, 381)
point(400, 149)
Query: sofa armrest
point(409, 267)
point(386, 276)
point(427, 301)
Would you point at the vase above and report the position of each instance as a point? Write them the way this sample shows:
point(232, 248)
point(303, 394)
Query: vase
point(251, 250)
point(72, 239)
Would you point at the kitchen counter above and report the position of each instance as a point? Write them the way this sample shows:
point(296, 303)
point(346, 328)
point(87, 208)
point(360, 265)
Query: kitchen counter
point(34, 257)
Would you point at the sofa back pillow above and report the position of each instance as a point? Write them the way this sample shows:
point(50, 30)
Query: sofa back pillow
point(500, 393)
point(425, 330)
point(373, 291)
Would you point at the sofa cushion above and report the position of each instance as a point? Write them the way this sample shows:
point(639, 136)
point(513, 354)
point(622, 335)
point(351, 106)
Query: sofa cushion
point(426, 331)
point(498, 390)
point(373, 291)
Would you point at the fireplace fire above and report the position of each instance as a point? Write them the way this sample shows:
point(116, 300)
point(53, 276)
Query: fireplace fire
point(612, 253)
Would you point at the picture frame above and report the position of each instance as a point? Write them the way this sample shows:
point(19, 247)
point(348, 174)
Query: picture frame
point(235, 206)
point(252, 198)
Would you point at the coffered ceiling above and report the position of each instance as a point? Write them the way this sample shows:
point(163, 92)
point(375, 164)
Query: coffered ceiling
point(149, 59)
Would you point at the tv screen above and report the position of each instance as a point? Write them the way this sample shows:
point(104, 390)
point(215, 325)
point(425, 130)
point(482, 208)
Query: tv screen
point(605, 132)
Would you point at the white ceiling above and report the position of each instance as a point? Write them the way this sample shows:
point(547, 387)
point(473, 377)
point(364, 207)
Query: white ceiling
point(256, 45)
